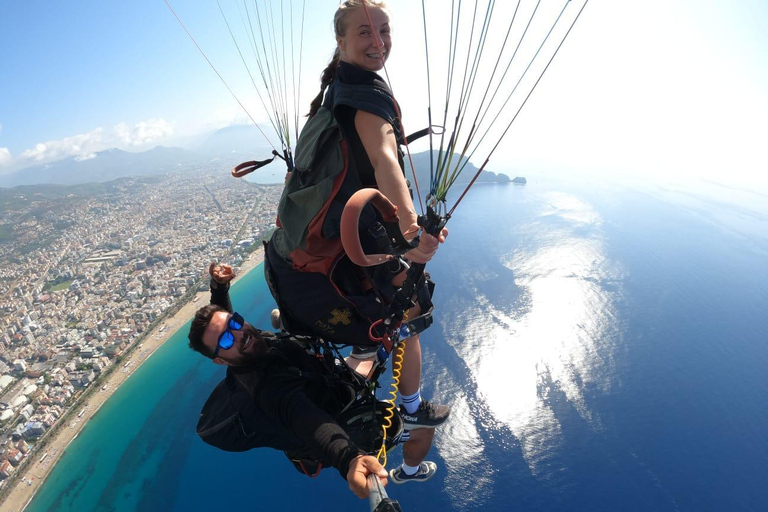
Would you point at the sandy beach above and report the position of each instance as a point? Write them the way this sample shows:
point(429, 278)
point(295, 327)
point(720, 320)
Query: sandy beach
point(34, 474)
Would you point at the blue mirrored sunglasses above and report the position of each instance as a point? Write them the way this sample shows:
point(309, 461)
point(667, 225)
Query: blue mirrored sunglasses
point(227, 339)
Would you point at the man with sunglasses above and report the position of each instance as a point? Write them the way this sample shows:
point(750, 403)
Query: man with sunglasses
point(291, 414)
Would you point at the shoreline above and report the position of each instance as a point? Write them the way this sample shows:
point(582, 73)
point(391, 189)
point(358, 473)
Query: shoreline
point(37, 471)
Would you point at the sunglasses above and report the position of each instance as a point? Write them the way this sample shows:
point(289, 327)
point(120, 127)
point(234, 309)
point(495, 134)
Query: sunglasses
point(227, 339)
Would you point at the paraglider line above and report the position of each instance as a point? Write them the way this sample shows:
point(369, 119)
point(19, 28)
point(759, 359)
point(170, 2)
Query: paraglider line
point(219, 75)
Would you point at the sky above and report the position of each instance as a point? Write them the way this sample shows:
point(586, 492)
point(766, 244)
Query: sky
point(664, 87)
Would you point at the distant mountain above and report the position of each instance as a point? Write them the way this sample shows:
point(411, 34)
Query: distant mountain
point(235, 143)
point(243, 139)
point(247, 142)
point(18, 198)
point(422, 163)
point(105, 166)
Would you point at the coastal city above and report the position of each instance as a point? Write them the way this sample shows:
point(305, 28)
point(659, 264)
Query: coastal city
point(88, 272)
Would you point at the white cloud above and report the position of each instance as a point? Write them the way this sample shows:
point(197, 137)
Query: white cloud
point(231, 115)
point(85, 146)
point(5, 157)
point(75, 146)
point(144, 132)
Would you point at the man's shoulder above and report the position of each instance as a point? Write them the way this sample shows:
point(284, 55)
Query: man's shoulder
point(245, 378)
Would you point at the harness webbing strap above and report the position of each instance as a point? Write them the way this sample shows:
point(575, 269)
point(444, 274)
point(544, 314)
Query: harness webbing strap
point(419, 134)
point(248, 167)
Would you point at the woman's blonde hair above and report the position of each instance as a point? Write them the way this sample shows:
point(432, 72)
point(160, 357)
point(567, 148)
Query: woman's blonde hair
point(340, 30)
point(339, 27)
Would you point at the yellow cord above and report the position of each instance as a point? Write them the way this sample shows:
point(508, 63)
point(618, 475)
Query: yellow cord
point(397, 366)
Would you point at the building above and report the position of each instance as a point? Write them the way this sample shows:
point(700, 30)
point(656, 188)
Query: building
point(6, 415)
point(6, 469)
point(5, 381)
point(14, 456)
point(33, 430)
point(23, 447)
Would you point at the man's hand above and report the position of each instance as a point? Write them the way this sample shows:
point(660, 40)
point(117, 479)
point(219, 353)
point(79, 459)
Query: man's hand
point(427, 247)
point(222, 274)
point(359, 469)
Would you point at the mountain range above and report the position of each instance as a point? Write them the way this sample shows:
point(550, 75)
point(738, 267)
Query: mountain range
point(422, 163)
point(240, 142)
point(104, 166)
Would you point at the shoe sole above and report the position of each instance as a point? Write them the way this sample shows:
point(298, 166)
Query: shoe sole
point(414, 426)
point(397, 481)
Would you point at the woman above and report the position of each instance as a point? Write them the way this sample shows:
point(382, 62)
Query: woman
point(341, 301)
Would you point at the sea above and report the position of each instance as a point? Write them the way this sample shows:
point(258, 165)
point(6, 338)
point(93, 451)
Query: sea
point(603, 344)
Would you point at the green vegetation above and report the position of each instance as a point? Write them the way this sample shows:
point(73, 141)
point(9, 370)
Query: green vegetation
point(64, 224)
point(251, 248)
point(61, 286)
point(58, 284)
point(33, 246)
point(10, 202)
point(6, 233)
point(19, 198)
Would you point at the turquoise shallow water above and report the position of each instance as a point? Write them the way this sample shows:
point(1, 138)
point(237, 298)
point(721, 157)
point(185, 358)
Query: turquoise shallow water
point(602, 345)
point(121, 451)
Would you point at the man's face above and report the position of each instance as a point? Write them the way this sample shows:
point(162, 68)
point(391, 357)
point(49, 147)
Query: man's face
point(247, 346)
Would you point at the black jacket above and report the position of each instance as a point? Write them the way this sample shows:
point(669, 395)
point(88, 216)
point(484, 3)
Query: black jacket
point(289, 399)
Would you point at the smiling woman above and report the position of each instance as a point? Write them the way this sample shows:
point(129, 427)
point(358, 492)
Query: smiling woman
point(361, 44)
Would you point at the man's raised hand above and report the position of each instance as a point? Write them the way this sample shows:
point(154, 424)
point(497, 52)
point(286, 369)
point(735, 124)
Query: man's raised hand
point(222, 274)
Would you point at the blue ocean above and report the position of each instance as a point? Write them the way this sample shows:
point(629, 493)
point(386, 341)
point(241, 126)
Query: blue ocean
point(603, 345)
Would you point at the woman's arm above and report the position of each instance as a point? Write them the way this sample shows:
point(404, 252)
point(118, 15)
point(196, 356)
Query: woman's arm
point(378, 138)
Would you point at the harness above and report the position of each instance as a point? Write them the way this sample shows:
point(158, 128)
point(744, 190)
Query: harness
point(321, 181)
point(230, 420)
point(362, 418)
point(310, 230)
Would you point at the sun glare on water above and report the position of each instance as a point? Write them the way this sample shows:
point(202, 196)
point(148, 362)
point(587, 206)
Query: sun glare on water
point(559, 336)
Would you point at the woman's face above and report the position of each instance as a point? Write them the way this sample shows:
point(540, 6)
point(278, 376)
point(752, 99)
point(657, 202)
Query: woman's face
point(360, 43)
